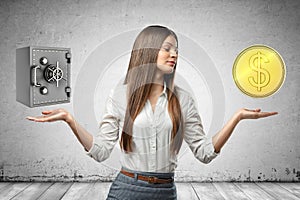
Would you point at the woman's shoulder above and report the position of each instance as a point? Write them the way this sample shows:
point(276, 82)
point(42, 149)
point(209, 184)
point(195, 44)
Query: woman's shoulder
point(186, 99)
point(181, 92)
point(117, 98)
point(118, 92)
point(119, 88)
point(184, 95)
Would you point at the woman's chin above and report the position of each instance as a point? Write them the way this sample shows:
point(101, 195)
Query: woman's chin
point(166, 69)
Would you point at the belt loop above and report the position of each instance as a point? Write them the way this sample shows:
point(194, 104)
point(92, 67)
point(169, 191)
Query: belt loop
point(135, 176)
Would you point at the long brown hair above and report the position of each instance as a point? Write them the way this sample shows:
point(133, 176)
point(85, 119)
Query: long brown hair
point(139, 79)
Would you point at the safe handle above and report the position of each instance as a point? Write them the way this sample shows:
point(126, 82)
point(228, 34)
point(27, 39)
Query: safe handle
point(34, 75)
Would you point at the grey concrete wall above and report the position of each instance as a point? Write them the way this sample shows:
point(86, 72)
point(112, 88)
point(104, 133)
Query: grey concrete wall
point(258, 150)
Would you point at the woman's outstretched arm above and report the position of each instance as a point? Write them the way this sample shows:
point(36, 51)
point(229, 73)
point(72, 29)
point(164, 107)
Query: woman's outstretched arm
point(85, 138)
point(222, 136)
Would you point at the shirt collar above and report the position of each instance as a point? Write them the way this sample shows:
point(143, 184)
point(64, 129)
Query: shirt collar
point(164, 92)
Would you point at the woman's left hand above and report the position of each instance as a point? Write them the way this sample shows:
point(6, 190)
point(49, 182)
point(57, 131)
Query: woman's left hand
point(222, 136)
point(254, 114)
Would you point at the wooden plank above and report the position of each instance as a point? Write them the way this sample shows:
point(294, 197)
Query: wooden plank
point(191, 191)
point(12, 189)
point(77, 191)
point(185, 191)
point(229, 191)
point(207, 191)
point(253, 191)
point(98, 190)
point(3, 184)
point(293, 188)
point(56, 191)
point(277, 191)
point(33, 191)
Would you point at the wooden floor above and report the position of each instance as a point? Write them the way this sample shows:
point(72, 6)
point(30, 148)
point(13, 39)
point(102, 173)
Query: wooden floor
point(189, 191)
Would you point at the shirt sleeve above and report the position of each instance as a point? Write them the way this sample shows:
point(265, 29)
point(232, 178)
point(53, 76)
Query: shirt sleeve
point(108, 134)
point(195, 137)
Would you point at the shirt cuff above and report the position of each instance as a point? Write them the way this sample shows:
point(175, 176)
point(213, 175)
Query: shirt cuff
point(92, 150)
point(212, 149)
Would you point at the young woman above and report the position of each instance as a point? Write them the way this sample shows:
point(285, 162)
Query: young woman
point(150, 117)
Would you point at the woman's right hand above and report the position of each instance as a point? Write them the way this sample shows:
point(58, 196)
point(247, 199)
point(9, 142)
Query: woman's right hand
point(85, 138)
point(52, 115)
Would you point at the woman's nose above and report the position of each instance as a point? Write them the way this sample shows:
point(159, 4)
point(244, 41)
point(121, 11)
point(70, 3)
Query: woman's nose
point(173, 53)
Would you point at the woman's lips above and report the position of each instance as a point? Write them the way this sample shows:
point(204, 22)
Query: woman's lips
point(171, 63)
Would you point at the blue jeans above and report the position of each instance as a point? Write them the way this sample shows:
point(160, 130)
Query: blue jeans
point(127, 188)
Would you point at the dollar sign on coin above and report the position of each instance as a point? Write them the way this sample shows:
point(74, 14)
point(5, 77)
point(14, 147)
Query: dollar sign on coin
point(256, 65)
point(259, 71)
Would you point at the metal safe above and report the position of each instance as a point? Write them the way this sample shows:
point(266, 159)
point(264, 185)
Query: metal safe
point(43, 75)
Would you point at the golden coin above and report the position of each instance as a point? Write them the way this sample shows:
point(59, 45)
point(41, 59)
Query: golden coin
point(259, 71)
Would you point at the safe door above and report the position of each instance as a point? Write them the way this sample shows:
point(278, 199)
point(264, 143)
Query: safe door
point(43, 75)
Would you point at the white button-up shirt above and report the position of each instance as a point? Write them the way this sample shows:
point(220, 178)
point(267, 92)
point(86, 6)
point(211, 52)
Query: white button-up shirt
point(151, 133)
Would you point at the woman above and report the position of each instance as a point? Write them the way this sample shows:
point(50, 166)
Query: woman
point(150, 117)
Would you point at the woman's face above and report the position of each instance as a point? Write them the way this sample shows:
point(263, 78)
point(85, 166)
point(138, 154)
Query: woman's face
point(167, 56)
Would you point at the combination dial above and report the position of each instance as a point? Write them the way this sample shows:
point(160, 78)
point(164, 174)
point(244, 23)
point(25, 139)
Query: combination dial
point(53, 73)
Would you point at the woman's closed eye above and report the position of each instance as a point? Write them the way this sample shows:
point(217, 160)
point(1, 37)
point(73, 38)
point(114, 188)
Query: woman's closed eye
point(168, 49)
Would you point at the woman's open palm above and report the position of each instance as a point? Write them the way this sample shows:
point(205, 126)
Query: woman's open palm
point(51, 116)
point(254, 114)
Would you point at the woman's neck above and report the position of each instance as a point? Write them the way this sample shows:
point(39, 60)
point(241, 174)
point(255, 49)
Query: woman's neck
point(158, 85)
